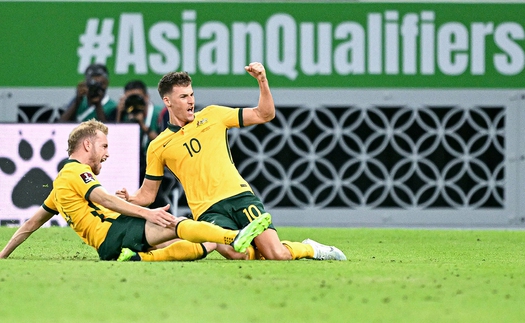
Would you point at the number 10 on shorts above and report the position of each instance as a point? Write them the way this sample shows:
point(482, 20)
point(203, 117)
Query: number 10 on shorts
point(251, 212)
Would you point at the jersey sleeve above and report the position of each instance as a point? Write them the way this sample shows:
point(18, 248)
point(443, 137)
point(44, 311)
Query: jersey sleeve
point(84, 183)
point(49, 203)
point(154, 165)
point(231, 117)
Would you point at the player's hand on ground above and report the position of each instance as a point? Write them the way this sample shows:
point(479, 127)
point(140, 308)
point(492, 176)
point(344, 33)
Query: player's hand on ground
point(256, 70)
point(160, 216)
point(123, 194)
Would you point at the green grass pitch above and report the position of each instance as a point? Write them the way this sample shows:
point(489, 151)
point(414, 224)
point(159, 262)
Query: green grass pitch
point(392, 275)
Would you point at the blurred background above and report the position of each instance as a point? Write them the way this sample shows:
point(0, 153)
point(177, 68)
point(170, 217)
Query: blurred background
point(389, 114)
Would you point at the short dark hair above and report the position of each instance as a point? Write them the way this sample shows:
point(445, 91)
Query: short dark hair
point(168, 81)
point(136, 84)
point(96, 70)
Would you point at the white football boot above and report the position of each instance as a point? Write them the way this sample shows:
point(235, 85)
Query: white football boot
point(322, 252)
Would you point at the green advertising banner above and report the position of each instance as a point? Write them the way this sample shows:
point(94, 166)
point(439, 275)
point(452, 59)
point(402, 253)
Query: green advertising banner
point(333, 45)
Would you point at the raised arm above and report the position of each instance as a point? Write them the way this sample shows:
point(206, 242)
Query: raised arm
point(38, 219)
point(265, 109)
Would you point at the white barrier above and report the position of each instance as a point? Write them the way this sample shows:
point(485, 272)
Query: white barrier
point(30, 157)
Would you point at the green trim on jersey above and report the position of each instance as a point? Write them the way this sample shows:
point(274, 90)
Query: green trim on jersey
point(173, 127)
point(90, 190)
point(49, 209)
point(154, 178)
point(241, 121)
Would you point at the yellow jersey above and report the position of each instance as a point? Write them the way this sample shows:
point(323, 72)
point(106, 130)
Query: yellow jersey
point(70, 198)
point(199, 156)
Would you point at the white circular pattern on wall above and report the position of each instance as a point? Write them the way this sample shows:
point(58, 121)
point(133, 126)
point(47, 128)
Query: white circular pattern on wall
point(378, 156)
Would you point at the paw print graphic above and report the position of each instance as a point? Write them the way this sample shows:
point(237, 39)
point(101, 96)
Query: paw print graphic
point(35, 184)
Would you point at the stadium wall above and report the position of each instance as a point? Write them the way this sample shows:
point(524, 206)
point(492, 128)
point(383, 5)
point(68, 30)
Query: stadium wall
point(389, 114)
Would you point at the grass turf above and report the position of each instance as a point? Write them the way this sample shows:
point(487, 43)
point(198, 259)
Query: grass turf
point(392, 275)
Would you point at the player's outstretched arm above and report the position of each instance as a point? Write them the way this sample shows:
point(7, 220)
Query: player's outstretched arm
point(38, 219)
point(159, 216)
point(144, 196)
point(265, 109)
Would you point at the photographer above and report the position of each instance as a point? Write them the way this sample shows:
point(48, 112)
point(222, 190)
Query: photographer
point(135, 106)
point(91, 100)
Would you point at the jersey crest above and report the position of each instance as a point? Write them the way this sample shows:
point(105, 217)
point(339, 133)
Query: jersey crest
point(201, 122)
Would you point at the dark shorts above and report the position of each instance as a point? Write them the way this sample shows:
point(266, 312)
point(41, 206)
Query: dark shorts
point(235, 212)
point(125, 232)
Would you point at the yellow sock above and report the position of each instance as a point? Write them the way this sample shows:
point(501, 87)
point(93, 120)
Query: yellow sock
point(251, 253)
point(254, 254)
point(197, 231)
point(299, 250)
point(179, 250)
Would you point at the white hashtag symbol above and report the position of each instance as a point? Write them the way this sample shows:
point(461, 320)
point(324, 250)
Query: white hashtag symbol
point(94, 44)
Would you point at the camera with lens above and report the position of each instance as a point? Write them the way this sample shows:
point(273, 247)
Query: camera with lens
point(133, 105)
point(95, 89)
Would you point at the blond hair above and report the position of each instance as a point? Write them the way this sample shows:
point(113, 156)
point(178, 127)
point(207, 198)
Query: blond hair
point(87, 129)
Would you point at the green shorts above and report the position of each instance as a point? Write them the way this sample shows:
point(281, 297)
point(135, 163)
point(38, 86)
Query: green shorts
point(125, 232)
point(235, 212)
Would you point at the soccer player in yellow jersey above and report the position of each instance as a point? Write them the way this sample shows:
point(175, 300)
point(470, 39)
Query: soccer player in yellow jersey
point(115, 228)
point(195, 148)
